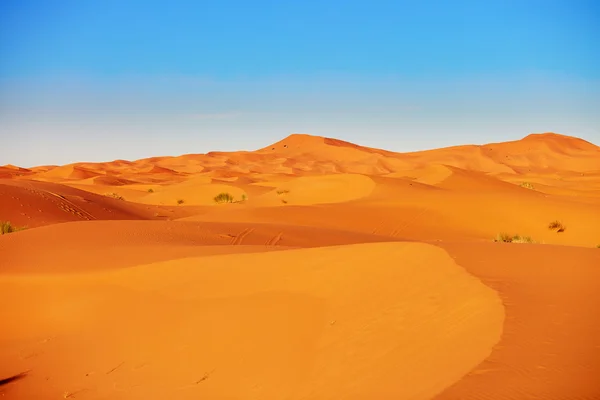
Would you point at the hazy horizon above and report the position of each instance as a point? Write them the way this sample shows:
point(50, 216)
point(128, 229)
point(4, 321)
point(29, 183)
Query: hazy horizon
point(91, 83)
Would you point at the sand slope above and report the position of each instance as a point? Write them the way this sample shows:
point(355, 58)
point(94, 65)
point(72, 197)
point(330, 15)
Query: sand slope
point(453, 213)
point(87, 246)
point(550, 347)
point(31, 204)
point(11, 171)
point(323, 189)
point(326, 324)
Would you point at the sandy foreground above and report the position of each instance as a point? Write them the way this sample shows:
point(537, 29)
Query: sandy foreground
point(337, 272)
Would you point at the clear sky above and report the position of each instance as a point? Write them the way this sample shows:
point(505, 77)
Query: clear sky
point(98, 80)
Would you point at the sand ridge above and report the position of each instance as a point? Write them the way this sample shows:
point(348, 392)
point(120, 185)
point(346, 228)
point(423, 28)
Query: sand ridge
point(550, 347)
point(301, 154)
point(113, 244)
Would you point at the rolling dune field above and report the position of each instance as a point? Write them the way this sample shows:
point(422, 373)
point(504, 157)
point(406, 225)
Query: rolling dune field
point(311, 268)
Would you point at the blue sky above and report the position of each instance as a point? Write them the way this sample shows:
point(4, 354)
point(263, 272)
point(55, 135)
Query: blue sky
point(90, 80)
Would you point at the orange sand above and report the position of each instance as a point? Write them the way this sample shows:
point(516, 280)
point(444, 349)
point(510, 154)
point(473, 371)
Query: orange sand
point(338, 272)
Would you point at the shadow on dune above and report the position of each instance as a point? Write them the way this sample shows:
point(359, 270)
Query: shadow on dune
point(13, 378)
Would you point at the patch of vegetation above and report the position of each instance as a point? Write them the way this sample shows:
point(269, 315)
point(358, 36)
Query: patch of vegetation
point(115, 196)
point(556, 226)
point(527, 185)
point(598, 246)
point(180, 201)
point(282, 191)
point(6, 227)
point(284, 201)
point(223, 198)
point(150, 190)
point(506, 238)
point(244, 197)
point(522, 239)
point(503, 237)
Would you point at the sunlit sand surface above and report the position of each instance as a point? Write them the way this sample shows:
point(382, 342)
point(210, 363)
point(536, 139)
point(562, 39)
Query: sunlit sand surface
point(333, 271)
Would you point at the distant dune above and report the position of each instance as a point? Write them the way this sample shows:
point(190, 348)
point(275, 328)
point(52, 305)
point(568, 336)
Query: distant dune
point(301, 153)
point(312, 268)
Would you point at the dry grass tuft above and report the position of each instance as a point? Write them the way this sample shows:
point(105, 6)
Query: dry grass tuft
point(506, 238)
point(527, 185)
point(556, 226)
point(115, 196)
point(6, 227)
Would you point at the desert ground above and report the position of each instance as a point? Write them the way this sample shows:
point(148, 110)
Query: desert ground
point(312, 268)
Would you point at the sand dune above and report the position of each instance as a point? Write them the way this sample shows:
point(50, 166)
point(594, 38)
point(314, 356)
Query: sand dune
point(536, 152)
point(34, 204)
point(119, 244)
point(550, 347)
point(331, 326)
point(430, 175)
point(112, 181)
point(191, 193)
point(68, 172)
point(305, 155)
point(473, 209)
point(322, 189)
point(339, 272)
point(11, 171)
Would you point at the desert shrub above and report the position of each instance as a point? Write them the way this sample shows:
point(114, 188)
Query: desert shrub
point(244, 197)
point(503, 237)
point(556, 226)
point(180, 201)
point(598, 246)
point(6, 227)
point(150, 190)
point(521, 239)
point(223, 198)
point(115, 196)
point(527, 185)
point(506, 238)
point(282, 191)
point(284, 201)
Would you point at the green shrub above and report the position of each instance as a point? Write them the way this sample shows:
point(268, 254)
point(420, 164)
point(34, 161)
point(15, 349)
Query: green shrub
point(223, 198)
